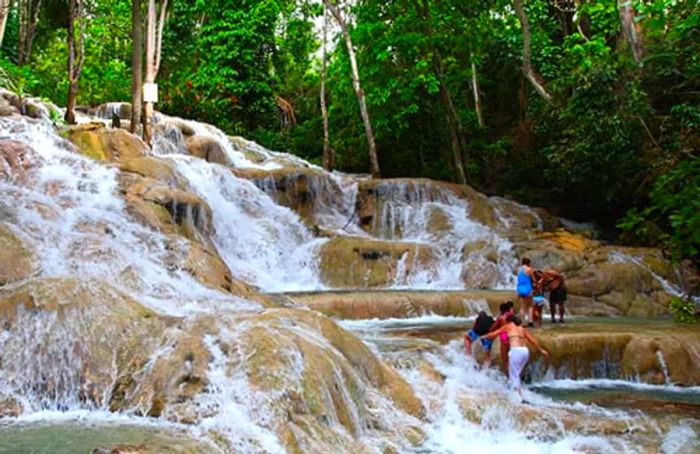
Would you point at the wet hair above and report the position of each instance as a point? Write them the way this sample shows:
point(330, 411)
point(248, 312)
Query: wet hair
point(510, 304)
point(526, 261)
point(503, 308)
point(515, 319)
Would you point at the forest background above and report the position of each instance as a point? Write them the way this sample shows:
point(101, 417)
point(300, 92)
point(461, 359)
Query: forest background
point(589, 108)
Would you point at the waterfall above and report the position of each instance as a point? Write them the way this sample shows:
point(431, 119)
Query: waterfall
point(261, 242)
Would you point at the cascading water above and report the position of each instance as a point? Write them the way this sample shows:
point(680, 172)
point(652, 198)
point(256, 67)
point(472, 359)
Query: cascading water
point(68, 209)
point(261, 242)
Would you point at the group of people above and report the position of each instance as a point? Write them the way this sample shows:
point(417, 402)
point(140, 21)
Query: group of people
point(531, 287)
point(509, 328)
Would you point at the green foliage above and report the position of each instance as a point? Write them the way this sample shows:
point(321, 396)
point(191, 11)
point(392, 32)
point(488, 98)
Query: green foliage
point(684, 310)
point(672, 216)
point(619, 141)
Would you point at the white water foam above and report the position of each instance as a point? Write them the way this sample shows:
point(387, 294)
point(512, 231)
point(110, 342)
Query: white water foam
point(261, 242)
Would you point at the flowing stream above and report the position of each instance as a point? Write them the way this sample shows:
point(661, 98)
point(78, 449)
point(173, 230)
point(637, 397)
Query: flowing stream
point(68, 208)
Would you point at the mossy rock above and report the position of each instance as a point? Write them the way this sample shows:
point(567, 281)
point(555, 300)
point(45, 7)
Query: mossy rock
point(207, 148)
point(98, 142)
point(94, 325)
point(156, 168)
point(363, 263)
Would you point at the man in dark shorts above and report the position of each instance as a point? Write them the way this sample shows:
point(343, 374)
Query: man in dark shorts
point(554, 282)
point(481, 326)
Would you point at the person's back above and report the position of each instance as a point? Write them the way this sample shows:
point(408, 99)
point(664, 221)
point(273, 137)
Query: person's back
point(483, 323)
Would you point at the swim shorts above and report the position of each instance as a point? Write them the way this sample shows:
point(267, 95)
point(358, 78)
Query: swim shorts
point(539, 301)
point(487, 343)
point(558, 295)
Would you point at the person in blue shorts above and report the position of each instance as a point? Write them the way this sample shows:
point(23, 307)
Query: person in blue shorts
point(482, 325)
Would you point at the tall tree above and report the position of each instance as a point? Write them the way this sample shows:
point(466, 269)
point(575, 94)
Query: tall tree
point(528, 70)
point(154, 43)
point(28, 13)
point(328, 155)
point(76, 54)
point(477, 98)
point(136, 64)
point(454, 123)
point(338, 15)
point(4, 12)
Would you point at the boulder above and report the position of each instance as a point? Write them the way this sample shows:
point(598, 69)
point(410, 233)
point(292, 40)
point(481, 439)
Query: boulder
point(354, 262)
point(159, 169)
point(165, 208)
point(98, 142)
point(65, 338)
point(15, 159)
point(207, 148)
point(17, 260)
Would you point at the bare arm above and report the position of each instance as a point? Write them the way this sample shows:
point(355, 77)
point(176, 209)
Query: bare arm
point(534, 342)
point(493, 334)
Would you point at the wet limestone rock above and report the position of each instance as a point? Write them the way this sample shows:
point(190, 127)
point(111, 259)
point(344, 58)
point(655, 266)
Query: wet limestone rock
point(167, 209)
point(79, 333)
point(362, 263)
point(401, 304)
point(98, 142)
point(601, 279)
point(157, 168)
point(207, 148)
point(16, 258)
point(15, 159)
point(650, 351)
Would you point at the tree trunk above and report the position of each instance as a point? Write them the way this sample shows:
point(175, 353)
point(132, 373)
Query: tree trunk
point(477, 99)
point(630, 30)
point(154, 40)
point(28, 12)
point(328, 155)
point(528, 70)
point(454, 124)
point(373, 160)
point(4, 12)
point(76, 55)
point(136, 65)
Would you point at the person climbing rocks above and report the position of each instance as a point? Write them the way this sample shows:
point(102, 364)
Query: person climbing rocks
point(538, 298)
point(524, 290)
point(518, 337)
point(481, 326)
point(555, 284)
point(506, 309)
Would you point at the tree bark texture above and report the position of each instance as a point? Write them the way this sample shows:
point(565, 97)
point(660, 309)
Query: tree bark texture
point(136, 64)
point(154, 40)
point(76, 54)
point(4, 12)
point(328, 155)
point(631, 30)
point(373, 160)
point(477, 98)
point(28, 12)
point(528, 70)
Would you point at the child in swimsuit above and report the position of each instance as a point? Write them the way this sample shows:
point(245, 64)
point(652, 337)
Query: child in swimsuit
point(481, 326)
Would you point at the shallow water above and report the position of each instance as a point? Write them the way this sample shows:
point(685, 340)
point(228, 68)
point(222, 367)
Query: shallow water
point(84, 435)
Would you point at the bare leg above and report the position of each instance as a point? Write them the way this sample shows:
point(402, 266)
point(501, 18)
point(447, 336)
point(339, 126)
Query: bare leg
point(467, 345)
point(504, 347)
point(553, 311)
point(561, 312)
